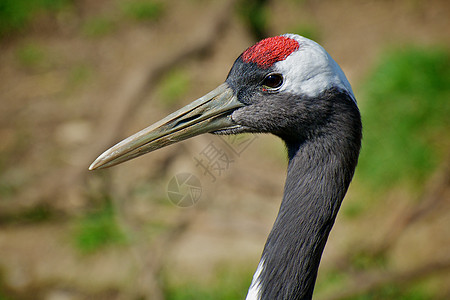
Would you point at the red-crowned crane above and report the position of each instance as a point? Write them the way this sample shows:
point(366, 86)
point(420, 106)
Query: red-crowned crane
point(289, 86)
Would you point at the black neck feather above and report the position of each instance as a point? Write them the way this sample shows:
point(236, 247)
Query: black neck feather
point(319, 173)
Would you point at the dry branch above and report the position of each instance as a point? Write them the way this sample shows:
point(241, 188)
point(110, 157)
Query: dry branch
point(68, 182)
point(436, 192)
point(150, 257)
point(362, 283)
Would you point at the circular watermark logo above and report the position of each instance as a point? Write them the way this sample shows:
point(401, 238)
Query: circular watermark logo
point(184, 189)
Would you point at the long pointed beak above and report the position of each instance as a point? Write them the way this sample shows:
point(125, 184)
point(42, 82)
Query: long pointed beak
point(209, 113)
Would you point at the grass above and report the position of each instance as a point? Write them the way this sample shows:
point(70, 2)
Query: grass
point(98, 26)
point(138, 10)
point(366, 261)
point(329, 280)
point(405, 117)
point(173, 86)
point(143, 10)
point(15, 15)
point(229, 284)
point(31, 56)
point(307, 30)
point(79, 74)
point(97, 230)
point(390, 291)
point(33, 215)
point(3, 294)
point(8, 189)
point(353, 209)
point(256, 14)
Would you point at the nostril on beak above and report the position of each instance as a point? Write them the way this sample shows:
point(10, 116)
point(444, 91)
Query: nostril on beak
point(187, 120)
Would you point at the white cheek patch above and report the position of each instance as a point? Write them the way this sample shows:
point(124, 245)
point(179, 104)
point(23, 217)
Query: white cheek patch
point(310, 70)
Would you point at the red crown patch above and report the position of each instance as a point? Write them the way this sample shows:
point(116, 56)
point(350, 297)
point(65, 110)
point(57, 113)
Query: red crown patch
point(269, 51)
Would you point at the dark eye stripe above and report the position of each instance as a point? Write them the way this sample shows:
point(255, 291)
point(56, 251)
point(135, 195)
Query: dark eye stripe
point(273, 81)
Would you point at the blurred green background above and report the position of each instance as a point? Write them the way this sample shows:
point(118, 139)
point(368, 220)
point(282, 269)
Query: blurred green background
point(78, 76)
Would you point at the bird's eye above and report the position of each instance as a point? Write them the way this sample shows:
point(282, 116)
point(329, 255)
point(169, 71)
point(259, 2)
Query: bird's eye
point(272, 81)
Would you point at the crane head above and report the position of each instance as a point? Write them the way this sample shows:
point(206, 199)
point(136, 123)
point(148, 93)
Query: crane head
point(279, 85)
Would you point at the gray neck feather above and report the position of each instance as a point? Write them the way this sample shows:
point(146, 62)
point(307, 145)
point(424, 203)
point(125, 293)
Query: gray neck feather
point(319, 173)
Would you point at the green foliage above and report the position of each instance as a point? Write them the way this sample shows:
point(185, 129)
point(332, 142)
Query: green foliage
point(392, 291)
point(256, 15)
point(329, 280)
point(4, 293)
point(405, 115)
point(35, 215)
point(98, 26)
point(366, 261)
point(143, 10)
point(230, 285)
point(32, 215)
point(15, 15)
point(31, 56)
point(306, 30)
point(3, 297)
point(79, 74)
point(173, 86)
point(352, 210)
point(97, 230)
point(7, 189)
